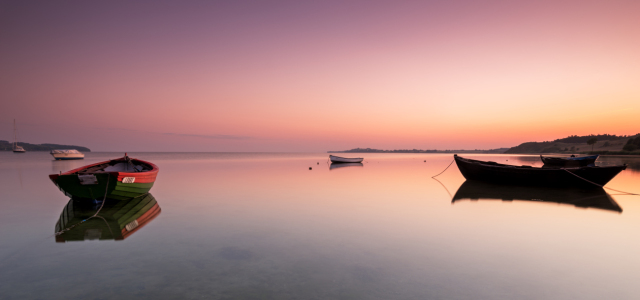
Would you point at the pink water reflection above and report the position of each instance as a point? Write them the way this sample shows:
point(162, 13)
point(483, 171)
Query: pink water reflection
point(389, 215)
point(237, 223)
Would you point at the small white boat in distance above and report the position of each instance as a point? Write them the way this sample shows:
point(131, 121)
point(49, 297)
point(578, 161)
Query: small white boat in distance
point(338, 159)
point(16, 148)
point(67, 154)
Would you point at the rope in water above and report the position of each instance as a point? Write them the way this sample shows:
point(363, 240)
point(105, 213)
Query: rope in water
point(602, 186)
point(444, 169)
point(442, 184)
point(94, 215)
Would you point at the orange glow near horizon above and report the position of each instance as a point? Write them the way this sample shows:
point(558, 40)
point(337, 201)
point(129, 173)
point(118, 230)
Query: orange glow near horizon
point(318, 76)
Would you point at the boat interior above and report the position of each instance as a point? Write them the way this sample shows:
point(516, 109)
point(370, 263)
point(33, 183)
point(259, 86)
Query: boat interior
point(492, 163)
point(121, 165)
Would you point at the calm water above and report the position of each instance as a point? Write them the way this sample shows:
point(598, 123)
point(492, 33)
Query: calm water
point(264, 226)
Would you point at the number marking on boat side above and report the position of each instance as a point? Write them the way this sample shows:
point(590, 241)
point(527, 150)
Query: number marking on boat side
point(132, 225)
point(128, 180)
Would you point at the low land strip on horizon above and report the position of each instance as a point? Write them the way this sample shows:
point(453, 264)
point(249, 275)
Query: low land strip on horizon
point(590, 144)
point(6, 146)
point(369, 150)
point(604, 144)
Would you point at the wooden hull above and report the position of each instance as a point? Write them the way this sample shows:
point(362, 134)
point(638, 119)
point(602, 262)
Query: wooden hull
point(67, 156)
point(120, 185)
point(527, 175)
point(569, 161)
point(583, 198)
point(338, 159)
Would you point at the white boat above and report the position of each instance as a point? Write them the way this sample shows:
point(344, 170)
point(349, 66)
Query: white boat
point(16, 148)
point(67, 154)
point(338, 159)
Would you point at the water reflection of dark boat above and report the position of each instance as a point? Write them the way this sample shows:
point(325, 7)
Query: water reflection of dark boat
point(589, 198)
point(338, 159)
point(117, 219)
point(342, 165)
point(572, 161)
point(120, 178)
point(526, 175)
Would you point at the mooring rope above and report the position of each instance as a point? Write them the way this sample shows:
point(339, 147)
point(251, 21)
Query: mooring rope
point(444, 169)
point(602, 186)
point(104, 199)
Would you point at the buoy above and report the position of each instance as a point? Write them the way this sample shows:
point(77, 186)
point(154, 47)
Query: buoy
point(425, 160)
point(309, 168)
point(318, 162)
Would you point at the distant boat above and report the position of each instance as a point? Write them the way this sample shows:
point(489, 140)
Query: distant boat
point(344, 165)
point(120, 179)
point(338, 159)
point(16, 148)
point(67, 154)
point(490, 171)
point(569, 161)
point(591, 198)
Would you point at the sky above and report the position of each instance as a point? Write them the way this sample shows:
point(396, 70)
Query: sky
point(313, 76)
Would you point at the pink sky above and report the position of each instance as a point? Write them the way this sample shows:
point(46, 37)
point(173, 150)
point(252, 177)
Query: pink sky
point(317, 76)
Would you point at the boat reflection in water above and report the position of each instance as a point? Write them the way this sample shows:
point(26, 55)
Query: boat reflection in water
point(117, 220)
point(343, 165)
point(591, 198)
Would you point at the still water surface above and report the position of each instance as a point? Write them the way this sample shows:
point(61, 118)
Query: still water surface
point(264, 226)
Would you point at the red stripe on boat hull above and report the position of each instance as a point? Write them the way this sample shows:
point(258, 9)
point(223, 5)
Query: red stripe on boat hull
point(140, 177)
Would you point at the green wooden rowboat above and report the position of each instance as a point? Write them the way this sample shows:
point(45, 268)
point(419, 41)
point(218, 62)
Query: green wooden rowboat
point(121, 178)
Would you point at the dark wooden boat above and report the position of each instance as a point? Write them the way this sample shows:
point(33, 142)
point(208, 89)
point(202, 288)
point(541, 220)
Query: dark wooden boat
point(572, 161)
point(582, 198)
point(121, 178)
point(117, 220)
point(527, 175)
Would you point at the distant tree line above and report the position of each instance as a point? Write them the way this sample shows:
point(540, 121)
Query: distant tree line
point(370, 150)
point(632, 144)
point(7, 146)
point(592, 141)
point(583, 139)
point(557, 145)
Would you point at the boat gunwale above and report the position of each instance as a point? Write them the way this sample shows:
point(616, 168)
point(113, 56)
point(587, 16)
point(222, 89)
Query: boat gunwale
point(118, 174)
point(571, 159)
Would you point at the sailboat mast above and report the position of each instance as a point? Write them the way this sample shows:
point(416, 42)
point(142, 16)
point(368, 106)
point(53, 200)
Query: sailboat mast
point(15, 134)
point(16, 148)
